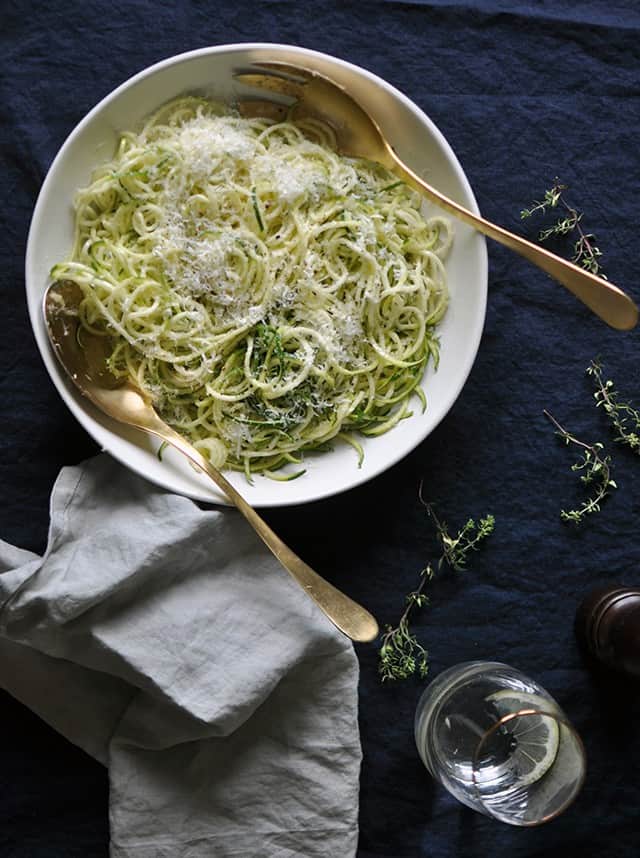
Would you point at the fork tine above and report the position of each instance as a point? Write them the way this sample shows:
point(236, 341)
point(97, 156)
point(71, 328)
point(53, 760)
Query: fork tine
point(303, 75)
point(256, 108)
point(271, 82)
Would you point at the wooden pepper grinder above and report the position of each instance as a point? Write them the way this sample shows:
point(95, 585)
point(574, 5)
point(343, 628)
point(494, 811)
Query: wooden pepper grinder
point(608, 627)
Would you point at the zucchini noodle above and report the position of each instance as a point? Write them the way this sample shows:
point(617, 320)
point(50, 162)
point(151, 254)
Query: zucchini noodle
point(268, 294)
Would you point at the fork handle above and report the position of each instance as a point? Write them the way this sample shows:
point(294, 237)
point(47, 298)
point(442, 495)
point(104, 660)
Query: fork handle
point(351, 618)
point(608, 302)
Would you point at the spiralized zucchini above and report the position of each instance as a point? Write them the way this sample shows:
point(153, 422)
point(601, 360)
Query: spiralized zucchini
point(267, 293)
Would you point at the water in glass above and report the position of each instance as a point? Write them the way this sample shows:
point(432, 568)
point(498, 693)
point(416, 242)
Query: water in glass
point(499, 743)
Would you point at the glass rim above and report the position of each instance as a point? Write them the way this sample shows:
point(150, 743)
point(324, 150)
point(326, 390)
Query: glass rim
point(559, 718)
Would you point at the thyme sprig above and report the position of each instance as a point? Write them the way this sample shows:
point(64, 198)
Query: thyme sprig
point(624, 418)
point(401, 654)
point(595, 472)
point(586, 252)
point(455, 549)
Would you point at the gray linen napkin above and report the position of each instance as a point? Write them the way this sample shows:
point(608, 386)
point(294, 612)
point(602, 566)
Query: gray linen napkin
point(169, 644)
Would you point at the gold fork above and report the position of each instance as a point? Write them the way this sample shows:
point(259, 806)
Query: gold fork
point(359, 135)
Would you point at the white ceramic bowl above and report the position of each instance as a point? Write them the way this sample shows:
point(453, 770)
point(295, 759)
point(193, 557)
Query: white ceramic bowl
point(416, 139)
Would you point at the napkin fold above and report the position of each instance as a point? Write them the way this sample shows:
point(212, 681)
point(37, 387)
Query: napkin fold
point(169, 644)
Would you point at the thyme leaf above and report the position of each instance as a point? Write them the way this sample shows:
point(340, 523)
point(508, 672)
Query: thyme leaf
point(256, 209)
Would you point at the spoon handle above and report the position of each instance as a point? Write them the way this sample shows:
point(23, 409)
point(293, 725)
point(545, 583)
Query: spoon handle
point(348, 616)
point(608, 302)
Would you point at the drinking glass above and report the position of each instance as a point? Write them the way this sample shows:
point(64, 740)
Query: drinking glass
point(499, 743)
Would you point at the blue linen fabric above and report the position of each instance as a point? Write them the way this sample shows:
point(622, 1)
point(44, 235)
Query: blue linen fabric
point(523, 91)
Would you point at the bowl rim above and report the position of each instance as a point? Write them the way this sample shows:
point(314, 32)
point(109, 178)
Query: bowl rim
point(82, 409)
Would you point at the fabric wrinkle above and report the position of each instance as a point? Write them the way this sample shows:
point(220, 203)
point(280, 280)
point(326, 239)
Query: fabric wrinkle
point(208, 681)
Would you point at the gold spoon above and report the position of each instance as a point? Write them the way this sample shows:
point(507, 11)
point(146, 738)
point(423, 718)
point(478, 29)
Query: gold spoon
point(359, 135)
point(86, 366)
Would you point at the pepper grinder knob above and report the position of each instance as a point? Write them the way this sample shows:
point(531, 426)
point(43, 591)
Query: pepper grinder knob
point(608, 626)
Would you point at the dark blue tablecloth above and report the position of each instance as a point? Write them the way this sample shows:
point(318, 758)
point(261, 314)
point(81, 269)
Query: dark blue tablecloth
point(523, 91)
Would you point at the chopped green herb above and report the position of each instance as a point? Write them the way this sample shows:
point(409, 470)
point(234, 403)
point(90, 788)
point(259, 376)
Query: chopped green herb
point(256, 209)
point(391, 187)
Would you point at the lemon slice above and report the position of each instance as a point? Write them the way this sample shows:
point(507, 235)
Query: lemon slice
point(535, 737)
